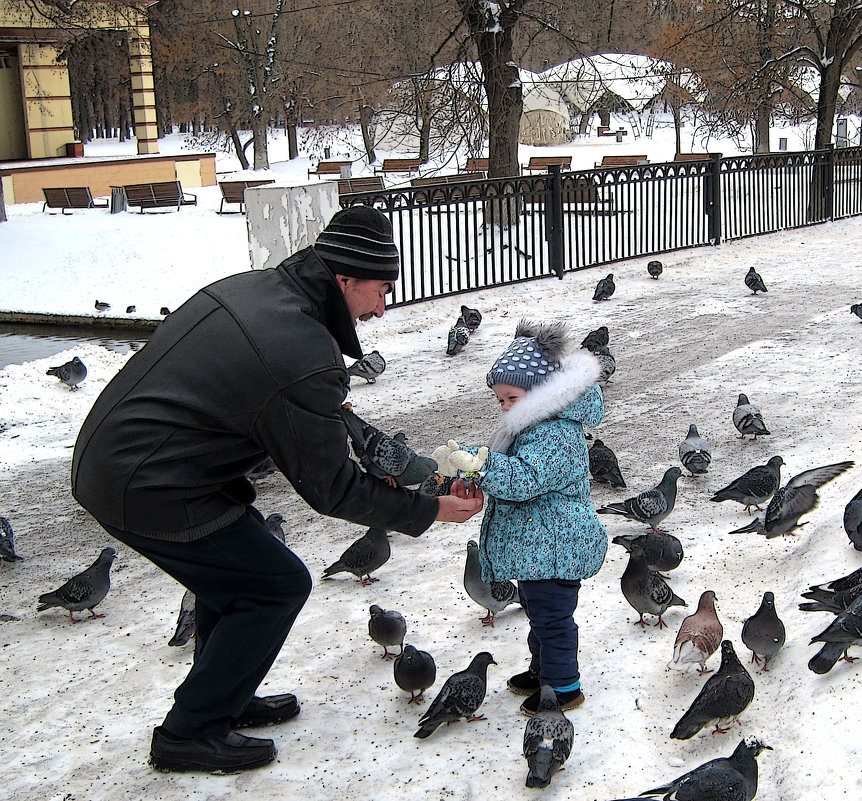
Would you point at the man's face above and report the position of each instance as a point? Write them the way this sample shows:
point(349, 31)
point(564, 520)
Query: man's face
point(366, 298)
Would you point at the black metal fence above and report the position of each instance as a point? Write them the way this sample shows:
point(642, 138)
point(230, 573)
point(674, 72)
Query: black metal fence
point(463, 234)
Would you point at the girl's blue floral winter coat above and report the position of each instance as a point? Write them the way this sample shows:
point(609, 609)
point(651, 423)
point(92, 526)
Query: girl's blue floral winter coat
point(539, 522)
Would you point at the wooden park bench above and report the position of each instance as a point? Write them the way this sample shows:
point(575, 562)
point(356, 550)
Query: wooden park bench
point(691, 157)
point(329, 168)
point(604, 130)
point(234, 192)
point(350, 186)
point(622, 161)
point(543, 162)
point(398, 165)
point(433, 190)
point(164, 194)
point(579, 196)
point(70, 197)
point(476, 164)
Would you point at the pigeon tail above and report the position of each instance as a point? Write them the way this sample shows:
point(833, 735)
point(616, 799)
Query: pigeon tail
point(826, 658)
point(541, 768)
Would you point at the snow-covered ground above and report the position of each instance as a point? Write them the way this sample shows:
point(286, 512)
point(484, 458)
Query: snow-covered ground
point(80, 701)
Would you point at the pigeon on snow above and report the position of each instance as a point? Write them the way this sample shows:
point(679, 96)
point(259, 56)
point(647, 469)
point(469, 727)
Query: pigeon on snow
point(763, 633)
point(828, 600)
point(755, 487)
point(698, 637)
point(273, 523)
point(186, 626)
point(460, 696)
point(605, 288)
point(494, 596)
point(607, 363)
point(548, 739)
point(695, 452)
point(796, 498)
point(388, 458)
point(650, 506)
point(722, 699)
point(471, 317)
point(459, 336)
point(7, 542)
point(369, 367)
point(596, 338)
point(654, 268)
point(754, 282)
point(604, 466)
point(101, 306)
point(71, 373)
point(414, 670)
point(387, 627)
point(732, 778)
point(748, 419)
point(853, 520)
point(645, 590)
point(662, 551)
point(368, 553)
point(856, 309)
point(131, 309)
point(85, 590)
point(843, 632)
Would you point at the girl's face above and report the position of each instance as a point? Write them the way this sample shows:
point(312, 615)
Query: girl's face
point(508, 395)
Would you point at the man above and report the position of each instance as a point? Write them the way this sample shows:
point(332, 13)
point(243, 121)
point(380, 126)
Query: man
point(250, 365)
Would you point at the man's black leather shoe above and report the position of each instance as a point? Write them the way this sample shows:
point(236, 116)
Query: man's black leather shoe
point(268, 711)
point(229, 753)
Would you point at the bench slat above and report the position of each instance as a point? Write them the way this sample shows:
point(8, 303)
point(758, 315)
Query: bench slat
point(234, 192)
point(70, 197)
point(162, 194)
point(398, 165)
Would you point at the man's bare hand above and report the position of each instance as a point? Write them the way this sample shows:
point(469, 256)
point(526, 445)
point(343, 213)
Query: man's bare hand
point(462, 504)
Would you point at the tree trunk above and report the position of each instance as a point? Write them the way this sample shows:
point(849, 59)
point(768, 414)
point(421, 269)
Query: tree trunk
point(261, 153)
point(827, 103)
point(292, 143)
point(237, 146)
point(2, 203)
point(366, 116)
point(762, 121)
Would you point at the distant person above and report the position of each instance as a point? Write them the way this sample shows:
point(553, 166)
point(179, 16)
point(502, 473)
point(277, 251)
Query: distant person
point(249, 366)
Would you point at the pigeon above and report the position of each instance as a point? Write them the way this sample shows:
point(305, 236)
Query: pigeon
point(71, 373)
point(368, 553)
point(826, 600)
point(101, 306)
point(661, 551)
point(164, 311)
point(755, 487)
point(853, 520)
point(414, 670)
point(844, 631)
point(695, 452)
point(604, 466)
point(7, 542)
point(845, 582)
point(748, 419)
point(654, 269)
point(605, 288)
point(548, 739)
point(722, 699)
point(369, 367)
point(763, 633)
point(698, 637)
point(459, 697)
point(754, 282)
point(387, 627)
point(459, 336)
point(84, 591)
point(495, 596)
point(856, 309)
point(471, 317)
point(596, 338)
point(131, 309)
point(732, 778)
point(650, 506)
point(607, 363)
point(273, 523)
point(645, 590)
point(436, 485)
point(185, 620)
point(388, 458)
point(796, 498)
point(265, 468)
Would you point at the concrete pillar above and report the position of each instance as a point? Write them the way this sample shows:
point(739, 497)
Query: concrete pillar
point(143, 94)
point(47, 105)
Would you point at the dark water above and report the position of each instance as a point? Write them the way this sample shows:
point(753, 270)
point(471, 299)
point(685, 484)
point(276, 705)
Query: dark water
point(26, 343)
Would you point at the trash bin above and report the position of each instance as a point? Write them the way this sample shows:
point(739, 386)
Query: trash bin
point(346, 170)
point(782, 143)
point(74, 149)
point(118, 199)
point(620, 135)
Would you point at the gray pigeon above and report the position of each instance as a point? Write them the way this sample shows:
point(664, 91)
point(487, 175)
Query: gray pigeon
point(186, 626)
point(164, 311)
point(596, 339)
point(368, 553)
point(748, 419)
point(459, 336)
point(754, 282)
point(494, 597)
point(387, 458)
point(548, 739)
point(763, 633)
point(698, 637)
point(607, 364)
point(695, 452)
point(654, 268)
point(845, 582)
point(604, 466)
point(843, 632)
point(645, 590)
point(605, 288)
point(71, 373)
point(369, 367)
point(7, 542)
point(796, 498)
point(262, 470)
point(650, 506)
point(722, 699)
point(823, 599)
point(732, 778)
point(662, 551)
point(414, 670)
point(853, 520)
point(387, 627)
point(755, 487)
point(460, 696)
point(471, 317)
point(273, 523)
point(131, 309)
point(84, 591)
point(436, 485)
point(856, 309)
point(101, 306)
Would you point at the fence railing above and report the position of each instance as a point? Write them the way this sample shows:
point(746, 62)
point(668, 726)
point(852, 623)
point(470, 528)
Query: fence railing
point(464, 235)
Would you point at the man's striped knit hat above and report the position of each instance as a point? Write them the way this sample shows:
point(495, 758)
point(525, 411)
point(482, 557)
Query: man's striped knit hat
point(358, 243)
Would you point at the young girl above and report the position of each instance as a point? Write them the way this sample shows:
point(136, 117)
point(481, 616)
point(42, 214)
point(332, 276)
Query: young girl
point(539, 526)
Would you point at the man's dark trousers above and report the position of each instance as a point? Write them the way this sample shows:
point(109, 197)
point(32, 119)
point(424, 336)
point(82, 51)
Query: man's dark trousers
point(248, 589)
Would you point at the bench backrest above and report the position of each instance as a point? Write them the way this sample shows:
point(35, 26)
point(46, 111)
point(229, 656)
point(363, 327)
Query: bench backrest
point(691, 157)
point(347, 186)
point(543, 162)
point(622, 161)
point(476, 165)
point(68, 197)
point(400, 165)
point(234, 191)
point(330, 167)
point(163, 193)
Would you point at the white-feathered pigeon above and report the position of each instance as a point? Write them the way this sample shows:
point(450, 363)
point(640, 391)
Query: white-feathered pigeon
point(387, 627)
point(695, 452)
point(85, 590)
point(754, 282)
point(548, 739)
point(748, 419)
point(369, 367)
point(763, 633)
point(754, 487)
point(369, 552)
point(698, 637)
point(650, 506)
point(414, 671)
point(71, 373)
point(607, 363)
point(493, 597)
point(459, 336)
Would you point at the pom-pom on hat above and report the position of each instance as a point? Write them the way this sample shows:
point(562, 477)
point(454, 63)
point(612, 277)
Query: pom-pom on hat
point(358, 242)
point(533, 356)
